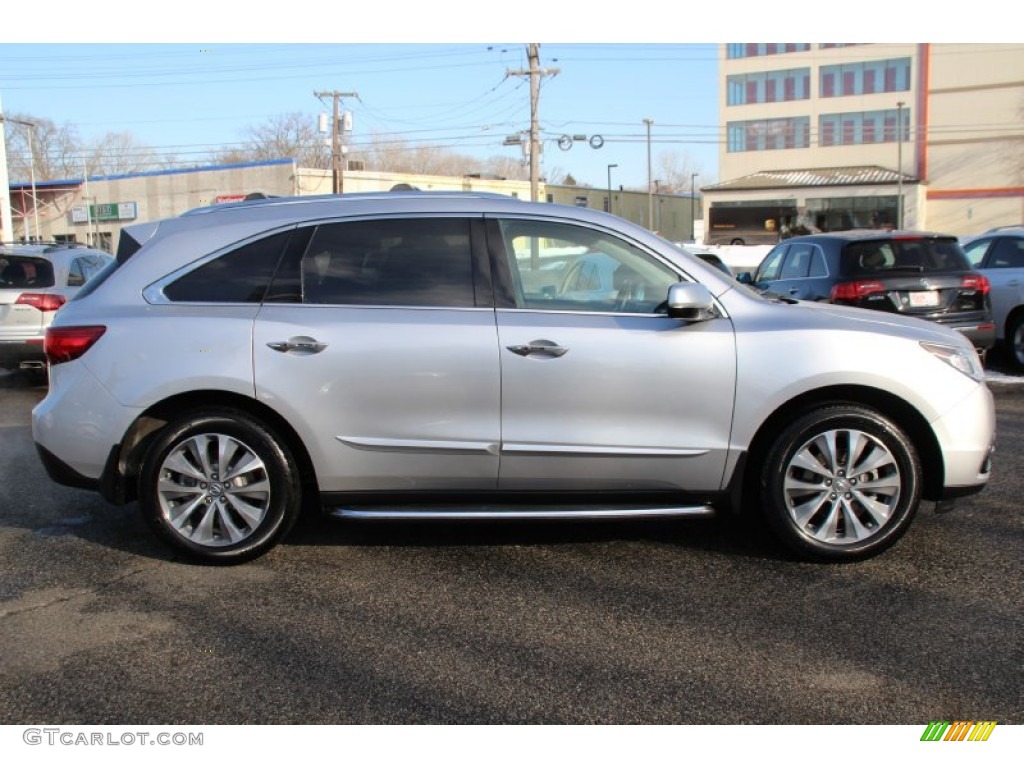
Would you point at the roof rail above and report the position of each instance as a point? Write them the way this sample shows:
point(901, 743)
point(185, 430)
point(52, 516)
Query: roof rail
point(1004, 227)
point(270, 200)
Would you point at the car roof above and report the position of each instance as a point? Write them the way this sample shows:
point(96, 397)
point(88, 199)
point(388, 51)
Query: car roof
point(854, 235)
point(47, 250)
point(270, 201)
point(1015, 231)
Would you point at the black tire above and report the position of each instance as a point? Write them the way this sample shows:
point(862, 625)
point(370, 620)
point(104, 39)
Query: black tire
point(1014, 342)
point(217, 514)
point(737, 241)
point(820, 509)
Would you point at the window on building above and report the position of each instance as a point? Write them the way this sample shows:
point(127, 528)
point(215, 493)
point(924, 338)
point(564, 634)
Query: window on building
point(750, 50)
point(767, 87)
point(861, 127)
point(759, 135)
point(865, 77)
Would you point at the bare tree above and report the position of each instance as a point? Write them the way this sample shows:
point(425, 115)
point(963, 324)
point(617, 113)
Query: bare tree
point(675, 172)
point(118, 153)
point(293, 134)
point(383, 152)
point(56, 150)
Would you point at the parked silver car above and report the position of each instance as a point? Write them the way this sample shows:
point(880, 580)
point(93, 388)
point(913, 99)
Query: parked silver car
point(36, 280)
point(999, 256)
point(422, 356)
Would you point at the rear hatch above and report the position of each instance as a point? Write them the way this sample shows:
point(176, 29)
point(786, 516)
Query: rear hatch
point(26, 292)
point(920, 275)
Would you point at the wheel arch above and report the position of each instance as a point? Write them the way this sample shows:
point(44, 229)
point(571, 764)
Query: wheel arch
point(137, 439)
point(902, 413)
point(1011, 317)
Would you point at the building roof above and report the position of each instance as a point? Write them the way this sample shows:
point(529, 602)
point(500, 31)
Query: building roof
point(852, 175)
point(140, 174)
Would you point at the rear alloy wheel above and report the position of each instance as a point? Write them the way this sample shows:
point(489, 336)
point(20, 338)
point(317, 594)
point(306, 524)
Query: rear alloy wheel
point(841, 483)
point(219, 486)
point(1015, 341)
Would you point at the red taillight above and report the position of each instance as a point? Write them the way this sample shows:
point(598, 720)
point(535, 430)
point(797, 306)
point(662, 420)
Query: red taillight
point(976, 283)
point(65, 344)
point(44, 302)
point(855, 290)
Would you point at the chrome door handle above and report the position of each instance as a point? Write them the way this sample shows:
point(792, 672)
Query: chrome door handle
point(541, 347)
point(303, 344)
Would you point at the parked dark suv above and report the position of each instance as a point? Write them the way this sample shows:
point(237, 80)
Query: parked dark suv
point(917, 274)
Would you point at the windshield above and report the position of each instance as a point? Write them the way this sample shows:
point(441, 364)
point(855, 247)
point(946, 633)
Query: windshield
point(915, 255)
point(25, 272)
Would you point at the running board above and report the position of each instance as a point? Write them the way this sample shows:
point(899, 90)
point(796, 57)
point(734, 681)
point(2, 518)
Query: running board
point(366, 512)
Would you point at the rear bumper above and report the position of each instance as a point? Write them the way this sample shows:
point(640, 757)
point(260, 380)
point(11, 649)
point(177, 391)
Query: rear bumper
point(982, 334)
point(61, 473)
point(14, 352)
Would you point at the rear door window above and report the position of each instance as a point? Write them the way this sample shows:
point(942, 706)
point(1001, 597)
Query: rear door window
point(419, 262)
point(1008, 253)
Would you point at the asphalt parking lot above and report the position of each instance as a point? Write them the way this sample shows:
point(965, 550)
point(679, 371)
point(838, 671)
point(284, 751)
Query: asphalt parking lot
point(642, 622)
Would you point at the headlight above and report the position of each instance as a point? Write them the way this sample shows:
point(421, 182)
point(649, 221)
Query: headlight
point(964, 359)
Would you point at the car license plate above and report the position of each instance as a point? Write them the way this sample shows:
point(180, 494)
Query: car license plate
point(924, 298)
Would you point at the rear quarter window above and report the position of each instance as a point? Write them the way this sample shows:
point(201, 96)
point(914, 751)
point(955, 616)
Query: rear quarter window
point(240, 276)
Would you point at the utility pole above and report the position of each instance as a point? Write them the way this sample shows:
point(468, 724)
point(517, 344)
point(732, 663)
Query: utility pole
point(693, 203)
point(534, 73)
point(337, 169)
point(650, 190)
point(6, 224)
point(899, 164)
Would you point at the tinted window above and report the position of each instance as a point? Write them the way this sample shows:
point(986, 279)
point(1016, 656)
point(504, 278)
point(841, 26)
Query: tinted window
point(976, 251)
point(1007, 254)
point(912, 255)
point(240, 276)
point(83, 268)
point(391, 262)
point(798, 261)
point(770, 267)
point(818, 267)
point(568, 267)
point(25, 272)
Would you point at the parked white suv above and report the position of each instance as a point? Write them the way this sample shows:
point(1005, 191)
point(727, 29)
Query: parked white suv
point(424, 356)
point(36, 280)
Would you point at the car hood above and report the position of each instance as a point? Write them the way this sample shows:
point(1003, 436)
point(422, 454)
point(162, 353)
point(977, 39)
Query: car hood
point(755, 311)
point(872, 320)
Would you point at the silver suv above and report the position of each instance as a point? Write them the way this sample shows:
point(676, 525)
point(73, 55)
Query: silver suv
point(424, 356)
point(36, 280)
point(999, 256)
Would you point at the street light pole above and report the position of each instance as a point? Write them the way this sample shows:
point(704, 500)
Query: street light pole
point(693, 204)
point(650, 189)
point(31, 170)
point(611, 208)
point(899, 164)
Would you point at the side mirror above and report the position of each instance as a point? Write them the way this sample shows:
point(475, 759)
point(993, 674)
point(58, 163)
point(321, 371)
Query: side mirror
point(690, 301)
point(746, 278)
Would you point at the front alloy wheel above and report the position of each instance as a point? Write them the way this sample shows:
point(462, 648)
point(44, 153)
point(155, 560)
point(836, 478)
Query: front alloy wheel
point(841, 483)
point(219, 487)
